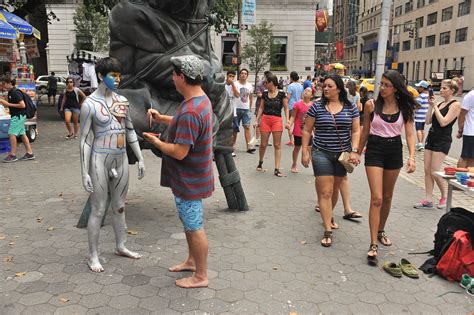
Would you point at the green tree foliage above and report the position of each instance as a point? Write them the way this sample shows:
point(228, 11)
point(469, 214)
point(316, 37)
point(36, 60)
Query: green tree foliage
point(225, 11)
point(92, 24)
point(257, 50)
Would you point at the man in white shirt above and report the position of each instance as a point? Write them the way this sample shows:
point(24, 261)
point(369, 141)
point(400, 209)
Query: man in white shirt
point(466, 131)
point(243, 104)
point(231, 92)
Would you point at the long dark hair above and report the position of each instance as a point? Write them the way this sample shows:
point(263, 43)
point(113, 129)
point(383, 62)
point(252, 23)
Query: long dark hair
point(405, 100)
point(342, 91)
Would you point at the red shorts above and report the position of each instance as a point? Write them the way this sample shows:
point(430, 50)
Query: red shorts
point(271, 123)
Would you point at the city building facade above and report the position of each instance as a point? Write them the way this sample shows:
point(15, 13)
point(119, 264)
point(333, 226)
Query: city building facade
point(293, 26)
point(443, 43)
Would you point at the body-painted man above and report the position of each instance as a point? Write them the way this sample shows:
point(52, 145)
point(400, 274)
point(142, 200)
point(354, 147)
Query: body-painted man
point(105, 131)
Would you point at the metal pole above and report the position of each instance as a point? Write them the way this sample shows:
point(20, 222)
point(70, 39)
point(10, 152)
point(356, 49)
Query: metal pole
point(239, 43)
point(382, 47)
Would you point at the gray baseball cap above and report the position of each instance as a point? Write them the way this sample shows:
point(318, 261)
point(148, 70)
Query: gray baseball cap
point(190, 65)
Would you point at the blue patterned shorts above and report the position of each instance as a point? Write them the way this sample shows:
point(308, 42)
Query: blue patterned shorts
point(190, 213)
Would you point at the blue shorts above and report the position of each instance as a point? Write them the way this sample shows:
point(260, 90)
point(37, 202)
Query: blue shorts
point(17, 125)
point(419, 125)
point(190, 213)
point(326, 163)
point(243, 115)
point(73, 110)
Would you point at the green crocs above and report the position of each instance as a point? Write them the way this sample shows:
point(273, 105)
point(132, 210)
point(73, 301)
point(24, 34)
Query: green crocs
point(392, 269)
point(465, 281)
point(408, 269)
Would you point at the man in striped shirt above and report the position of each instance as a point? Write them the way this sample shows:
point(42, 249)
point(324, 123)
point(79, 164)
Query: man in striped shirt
point(420, 114)
point(187, 162)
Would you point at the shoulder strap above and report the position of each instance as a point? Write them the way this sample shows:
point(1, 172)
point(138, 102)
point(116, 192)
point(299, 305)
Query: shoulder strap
point(335, 126)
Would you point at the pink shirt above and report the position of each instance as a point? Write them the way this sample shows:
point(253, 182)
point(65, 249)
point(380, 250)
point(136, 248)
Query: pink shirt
point(381, 128)
point(300, 109)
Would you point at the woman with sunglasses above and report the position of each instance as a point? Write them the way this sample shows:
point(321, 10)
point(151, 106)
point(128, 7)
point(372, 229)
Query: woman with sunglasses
point(270, 121)
point(384, 121)
point(71, 106)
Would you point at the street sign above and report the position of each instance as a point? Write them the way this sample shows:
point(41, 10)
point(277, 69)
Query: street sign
point(233, 30)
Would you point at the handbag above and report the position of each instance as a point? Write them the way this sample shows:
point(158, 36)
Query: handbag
point(344, 157)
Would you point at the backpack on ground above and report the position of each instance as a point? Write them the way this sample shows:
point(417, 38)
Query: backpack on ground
point(30, 105)
point(458, 259)
point(455, 220)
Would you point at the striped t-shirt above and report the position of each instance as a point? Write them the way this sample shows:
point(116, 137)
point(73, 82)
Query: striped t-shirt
point(191, 178)
point(420, 114)
point(325, 134)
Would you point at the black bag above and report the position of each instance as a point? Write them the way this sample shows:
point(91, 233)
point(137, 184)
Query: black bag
point(448, 224)
point(30, 105)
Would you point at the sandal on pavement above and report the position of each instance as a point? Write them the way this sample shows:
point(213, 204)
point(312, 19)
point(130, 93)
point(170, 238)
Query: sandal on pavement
point(327, 238)
point(383, 238)
point(317, 209)
point(372, 259)
point(69, 137)
point(259, 166)
point(408, 269)
point(392, 269)
point(465, 281)
point(352, 216)
point(278, 173)
point(334, 225)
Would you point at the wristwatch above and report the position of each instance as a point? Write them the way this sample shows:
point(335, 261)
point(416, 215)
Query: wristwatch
point(355, 150)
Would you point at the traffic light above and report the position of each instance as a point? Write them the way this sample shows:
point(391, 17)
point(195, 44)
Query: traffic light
point(415, 32)
point(411, 32)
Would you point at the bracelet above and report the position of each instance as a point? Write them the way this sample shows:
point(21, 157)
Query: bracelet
point(410, 158)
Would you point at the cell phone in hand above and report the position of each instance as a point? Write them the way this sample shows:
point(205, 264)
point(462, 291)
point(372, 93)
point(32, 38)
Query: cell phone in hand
point(430, 92)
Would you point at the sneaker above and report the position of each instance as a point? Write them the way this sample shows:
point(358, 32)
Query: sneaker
point(233, 154)
point(27, 157)
point(10, 158)
point(418, 146)
point(424, 204)
point(290, 143)
point(251, 150)
point(442, 203)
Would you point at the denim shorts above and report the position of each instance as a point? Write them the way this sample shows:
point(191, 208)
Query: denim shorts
point(419, 125)
point(244, 116)
point(73, 110)
point(190, 213)
point(326, 163)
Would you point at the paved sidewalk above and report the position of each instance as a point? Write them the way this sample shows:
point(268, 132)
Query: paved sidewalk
point(264, 261)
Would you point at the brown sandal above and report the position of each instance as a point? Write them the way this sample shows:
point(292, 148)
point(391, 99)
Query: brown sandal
point(383, 238)
point(372, 259)
point(327, 238)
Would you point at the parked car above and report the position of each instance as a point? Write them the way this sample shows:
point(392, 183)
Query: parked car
point(42, 84)
point(369, 84)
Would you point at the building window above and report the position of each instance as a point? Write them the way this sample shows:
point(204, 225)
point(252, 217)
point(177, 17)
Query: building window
point(445, 63)
point(420, 3)
point(419, 22)
point(418, 43)
point(462, 63)
point(447, 14)
point(398, 11)
point(430, 41)
point(454, 63)
point(406, 45)
point(464, 8)
point(396, 47)
point(444, 38)
point(432, 1)
point(424, 69)
point(432, 18)
point(439, 65)
point(461, 35)
point(409, 6)
point(431, 66)
point(407, 26)
point(278, 58)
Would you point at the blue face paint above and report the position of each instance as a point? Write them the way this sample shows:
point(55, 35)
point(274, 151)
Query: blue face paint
point(111, 81)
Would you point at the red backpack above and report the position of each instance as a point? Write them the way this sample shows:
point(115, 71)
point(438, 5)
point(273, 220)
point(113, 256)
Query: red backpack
point(458, 259)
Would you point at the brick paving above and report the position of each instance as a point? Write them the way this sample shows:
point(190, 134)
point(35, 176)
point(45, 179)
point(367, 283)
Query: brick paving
point(264, 261)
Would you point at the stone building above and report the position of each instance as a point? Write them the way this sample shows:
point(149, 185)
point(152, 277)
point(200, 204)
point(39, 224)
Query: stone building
point(444, 42)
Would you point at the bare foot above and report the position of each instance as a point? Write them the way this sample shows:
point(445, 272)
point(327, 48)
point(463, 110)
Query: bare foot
point(186, 266)
point(94, 265)
point(294, 170)
point(192, 282)
point(127, 253)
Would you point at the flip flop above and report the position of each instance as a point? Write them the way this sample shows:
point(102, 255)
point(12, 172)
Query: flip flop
point(352, 216)
point(373, 260)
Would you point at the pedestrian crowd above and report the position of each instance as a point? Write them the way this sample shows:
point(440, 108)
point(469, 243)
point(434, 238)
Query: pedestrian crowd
point(331, 123)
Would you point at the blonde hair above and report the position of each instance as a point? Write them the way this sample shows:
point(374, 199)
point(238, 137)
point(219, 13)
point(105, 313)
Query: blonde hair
point(452, 84)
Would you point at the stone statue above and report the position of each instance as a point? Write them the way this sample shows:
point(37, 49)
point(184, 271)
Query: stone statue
point(106, 130)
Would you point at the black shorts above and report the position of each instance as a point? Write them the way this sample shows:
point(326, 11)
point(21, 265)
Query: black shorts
point(298, 141)
point(51, 92)
point(386, 153)
point(467, 147)
point(419, 126)
point(437, 145)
